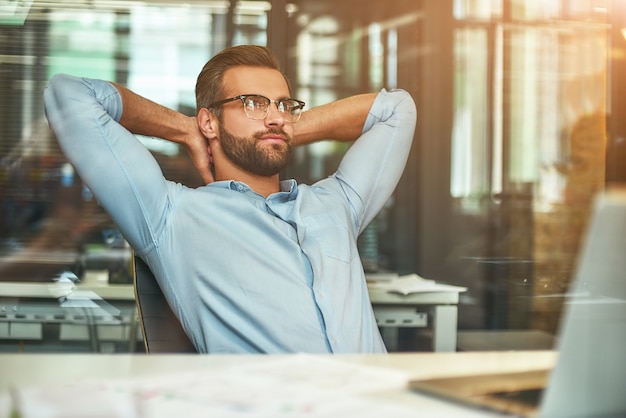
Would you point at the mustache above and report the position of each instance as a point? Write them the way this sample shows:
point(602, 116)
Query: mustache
point(271, 131)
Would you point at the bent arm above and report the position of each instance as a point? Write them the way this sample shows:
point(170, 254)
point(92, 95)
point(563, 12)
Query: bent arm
point(84, 115)
point(370, 170)
point(342, 120)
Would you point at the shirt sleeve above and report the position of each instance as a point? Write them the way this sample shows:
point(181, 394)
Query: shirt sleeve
point(372, 167)
point(84, 116)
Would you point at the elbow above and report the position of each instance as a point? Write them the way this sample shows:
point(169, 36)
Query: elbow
point(405, 112)
point(406, 105)
point(62, 100)
point(52, 93)
point(56, 83)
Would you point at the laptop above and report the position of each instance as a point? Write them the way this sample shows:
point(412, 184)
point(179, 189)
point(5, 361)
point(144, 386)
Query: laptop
point(589, 377)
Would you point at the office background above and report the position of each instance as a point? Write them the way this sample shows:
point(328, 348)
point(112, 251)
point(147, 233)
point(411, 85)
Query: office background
point(521, 121)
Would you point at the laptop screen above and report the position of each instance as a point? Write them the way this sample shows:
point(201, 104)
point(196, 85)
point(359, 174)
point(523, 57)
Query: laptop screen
point(590, 375)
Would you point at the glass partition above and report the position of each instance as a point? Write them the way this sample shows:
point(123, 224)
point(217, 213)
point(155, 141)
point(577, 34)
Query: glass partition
point(519, 127)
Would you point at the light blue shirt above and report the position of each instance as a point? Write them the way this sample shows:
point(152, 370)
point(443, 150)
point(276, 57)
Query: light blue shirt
point(243, 273)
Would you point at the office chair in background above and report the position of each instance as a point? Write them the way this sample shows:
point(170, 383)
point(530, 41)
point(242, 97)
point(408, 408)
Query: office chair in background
point(162, 332)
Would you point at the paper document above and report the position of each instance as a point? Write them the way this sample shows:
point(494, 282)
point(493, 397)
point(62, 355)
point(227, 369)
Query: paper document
point(412, 283)
point(81, 299)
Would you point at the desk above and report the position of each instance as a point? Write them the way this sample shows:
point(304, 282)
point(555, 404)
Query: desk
point(395, 311)
point(55, 370)
point(32, 312)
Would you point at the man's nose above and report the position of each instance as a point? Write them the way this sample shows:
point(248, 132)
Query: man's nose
point(274, 116)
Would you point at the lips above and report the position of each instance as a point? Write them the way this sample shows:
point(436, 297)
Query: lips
point(272, 137)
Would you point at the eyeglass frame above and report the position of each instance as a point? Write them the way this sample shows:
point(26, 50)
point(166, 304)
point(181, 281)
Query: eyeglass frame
point(243, 98)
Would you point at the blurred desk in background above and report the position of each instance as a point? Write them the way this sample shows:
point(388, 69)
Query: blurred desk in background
point(102, 317)
point(93, 317)
point(435, 309)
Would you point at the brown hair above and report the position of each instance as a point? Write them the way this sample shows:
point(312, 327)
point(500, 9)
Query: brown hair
point(209, 88)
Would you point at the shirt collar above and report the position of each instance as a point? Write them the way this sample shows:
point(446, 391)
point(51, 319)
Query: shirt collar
point(288, 188)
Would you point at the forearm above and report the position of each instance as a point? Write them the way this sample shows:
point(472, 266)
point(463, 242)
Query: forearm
point(341, 120)
point(144, 117)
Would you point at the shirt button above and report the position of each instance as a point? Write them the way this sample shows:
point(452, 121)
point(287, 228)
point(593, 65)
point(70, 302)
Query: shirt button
point(321, 295)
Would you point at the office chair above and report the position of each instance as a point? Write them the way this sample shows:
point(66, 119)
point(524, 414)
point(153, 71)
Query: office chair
point(162, 332)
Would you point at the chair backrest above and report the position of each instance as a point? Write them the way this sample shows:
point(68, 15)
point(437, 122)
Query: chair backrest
point(162, 332)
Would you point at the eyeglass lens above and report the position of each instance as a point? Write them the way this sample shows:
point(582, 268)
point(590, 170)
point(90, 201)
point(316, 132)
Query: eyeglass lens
point(257, 107)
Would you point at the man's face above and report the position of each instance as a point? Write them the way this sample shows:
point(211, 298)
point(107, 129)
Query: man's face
point(262, 147)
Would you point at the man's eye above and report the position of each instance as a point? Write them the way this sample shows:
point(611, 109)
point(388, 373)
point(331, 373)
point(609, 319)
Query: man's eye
point(254, 104)
point(289, 105)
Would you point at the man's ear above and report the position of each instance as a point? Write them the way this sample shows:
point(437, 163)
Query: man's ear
point(208, 123)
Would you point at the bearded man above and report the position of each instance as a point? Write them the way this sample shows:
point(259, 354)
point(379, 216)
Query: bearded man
point(248, 262)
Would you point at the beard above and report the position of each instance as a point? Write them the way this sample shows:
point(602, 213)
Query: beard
point(255, 157)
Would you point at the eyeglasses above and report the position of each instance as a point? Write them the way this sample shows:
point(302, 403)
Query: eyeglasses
point(257, 107)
